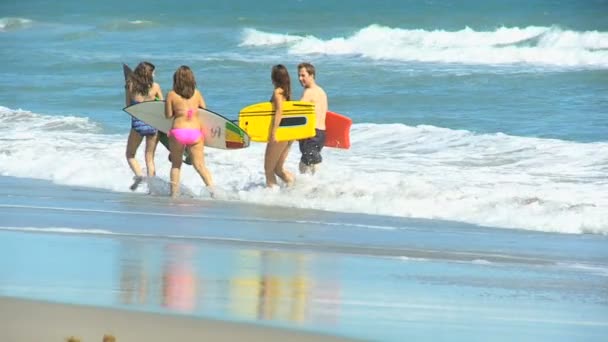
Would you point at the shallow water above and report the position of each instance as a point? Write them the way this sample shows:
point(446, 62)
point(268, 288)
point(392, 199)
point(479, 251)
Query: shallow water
point(367, 276)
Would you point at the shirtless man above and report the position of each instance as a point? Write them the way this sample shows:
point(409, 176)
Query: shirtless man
point(311, 147)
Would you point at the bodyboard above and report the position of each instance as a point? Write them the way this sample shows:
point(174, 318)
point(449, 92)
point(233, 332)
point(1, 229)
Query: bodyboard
point(298, 121)
point(337, 130)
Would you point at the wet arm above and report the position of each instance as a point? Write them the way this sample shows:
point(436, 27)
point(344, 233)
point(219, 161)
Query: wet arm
point(168, 107)
point(278, 105)
point(201, 101)
point(127, 96)
point(159, 93)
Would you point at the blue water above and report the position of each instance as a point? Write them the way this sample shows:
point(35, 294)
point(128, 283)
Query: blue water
point(517, 60)
point(480, 116)
point(507, 98)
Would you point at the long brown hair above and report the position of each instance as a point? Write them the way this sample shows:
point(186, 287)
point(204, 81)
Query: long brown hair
point(280, 79)
point(184, 83)
point(141, 80)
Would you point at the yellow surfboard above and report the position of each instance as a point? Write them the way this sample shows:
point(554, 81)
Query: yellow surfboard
point(298, 121)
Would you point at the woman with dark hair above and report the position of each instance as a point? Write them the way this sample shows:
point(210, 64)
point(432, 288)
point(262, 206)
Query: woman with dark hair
point(277, 151)
point(141, 87)
point(182, 106)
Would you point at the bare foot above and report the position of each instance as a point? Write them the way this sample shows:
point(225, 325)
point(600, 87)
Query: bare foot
point(212, 192)
point(136, 181)
point(288, 178)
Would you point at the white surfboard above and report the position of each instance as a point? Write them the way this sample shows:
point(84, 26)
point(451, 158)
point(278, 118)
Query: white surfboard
point(219, 131)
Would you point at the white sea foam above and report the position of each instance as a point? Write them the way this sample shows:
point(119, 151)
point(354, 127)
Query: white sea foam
point(58, 230)
point(421, 172)
point(139, 22)
point(253, 37)
point(14, 23)
point(546, 46)
point(587, 268)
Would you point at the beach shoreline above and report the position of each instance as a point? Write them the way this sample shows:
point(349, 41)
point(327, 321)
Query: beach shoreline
point(34, 320)
point(187, 269)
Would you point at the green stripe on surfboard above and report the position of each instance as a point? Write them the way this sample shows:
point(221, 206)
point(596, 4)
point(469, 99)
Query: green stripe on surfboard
point(234, 129)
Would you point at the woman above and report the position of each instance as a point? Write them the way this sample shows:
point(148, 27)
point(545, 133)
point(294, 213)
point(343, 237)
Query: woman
point(141, 87)
point(277, 151)
point(187, 130)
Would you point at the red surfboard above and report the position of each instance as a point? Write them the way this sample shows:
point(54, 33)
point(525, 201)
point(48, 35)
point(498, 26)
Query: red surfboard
point(337, 130)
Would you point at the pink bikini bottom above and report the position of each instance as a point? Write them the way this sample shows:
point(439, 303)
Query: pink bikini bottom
point(185, 136)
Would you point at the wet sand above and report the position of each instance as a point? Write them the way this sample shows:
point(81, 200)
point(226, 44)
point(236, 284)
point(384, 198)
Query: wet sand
point(29, 320)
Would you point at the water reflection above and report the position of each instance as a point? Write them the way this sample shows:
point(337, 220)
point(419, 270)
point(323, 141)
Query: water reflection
point(133, 276)
point(179, 280)
point(230, 282)
point(278, 289)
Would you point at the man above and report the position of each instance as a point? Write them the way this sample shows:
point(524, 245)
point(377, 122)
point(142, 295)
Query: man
point(311, 147)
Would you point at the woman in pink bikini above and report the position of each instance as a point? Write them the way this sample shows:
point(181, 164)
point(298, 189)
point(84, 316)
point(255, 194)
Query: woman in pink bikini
point(187, 130)
point(277, 151)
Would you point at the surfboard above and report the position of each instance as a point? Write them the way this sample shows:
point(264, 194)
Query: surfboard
point(337, 130)
point(219, 131)
point(298, 121)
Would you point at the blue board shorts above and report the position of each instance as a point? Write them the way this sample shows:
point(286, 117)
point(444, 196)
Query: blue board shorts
point(311, 148)
point(142, 128)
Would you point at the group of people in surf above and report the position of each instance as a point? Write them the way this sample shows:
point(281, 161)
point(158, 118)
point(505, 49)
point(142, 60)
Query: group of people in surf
point(181, 105)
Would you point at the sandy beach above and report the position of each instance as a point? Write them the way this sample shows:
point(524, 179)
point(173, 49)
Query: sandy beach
point(29, 320)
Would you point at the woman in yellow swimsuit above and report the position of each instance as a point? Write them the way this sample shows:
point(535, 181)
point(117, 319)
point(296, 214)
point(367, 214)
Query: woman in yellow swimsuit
point(277, 151)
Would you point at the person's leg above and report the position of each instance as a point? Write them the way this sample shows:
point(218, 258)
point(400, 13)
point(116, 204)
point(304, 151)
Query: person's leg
point(319, 140)
point(304, 165)
point(197, 154)
point(315, 160)
point(280, 170)
point(176, 151)
point(271, 157)
point(133, 143)
point(303, 168)
point(151, 143)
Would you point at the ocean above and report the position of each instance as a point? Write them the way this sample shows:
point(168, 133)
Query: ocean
point(477, 179)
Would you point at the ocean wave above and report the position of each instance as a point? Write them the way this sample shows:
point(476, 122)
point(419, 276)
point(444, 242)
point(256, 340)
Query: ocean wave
point(127, 25)
point(26, 122)
point(598, 270)
point(424, 171)
point(253, 37)
point(14, 23)
point(547, 46)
